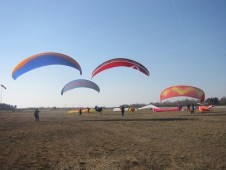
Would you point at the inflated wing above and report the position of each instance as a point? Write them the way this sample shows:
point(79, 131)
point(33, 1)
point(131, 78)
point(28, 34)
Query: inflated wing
point(118, 62)
point(44, 59)
point(80, 83)
point(83, 111)
point(205, 108)
point(182, 90)
point(150, 106)
point(166, 109)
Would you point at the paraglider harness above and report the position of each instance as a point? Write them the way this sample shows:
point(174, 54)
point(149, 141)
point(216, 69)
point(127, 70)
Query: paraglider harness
point(98, 109)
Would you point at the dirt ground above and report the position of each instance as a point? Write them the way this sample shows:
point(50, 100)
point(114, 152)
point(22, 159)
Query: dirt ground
point(141, 140)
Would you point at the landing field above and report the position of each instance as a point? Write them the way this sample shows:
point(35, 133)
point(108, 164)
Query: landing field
point(141, 140)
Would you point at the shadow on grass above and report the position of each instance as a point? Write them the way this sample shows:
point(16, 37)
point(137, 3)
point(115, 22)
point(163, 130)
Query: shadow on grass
point(130, 120)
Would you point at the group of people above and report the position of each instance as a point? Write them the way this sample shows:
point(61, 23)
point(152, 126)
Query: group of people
point(191, 108)
point(36, 113)
point(99, 109)
point(80, 110)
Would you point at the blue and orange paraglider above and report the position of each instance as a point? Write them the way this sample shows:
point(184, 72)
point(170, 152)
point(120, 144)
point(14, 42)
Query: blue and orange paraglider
point(118, 62)
point(80, 83)
point(44, 59)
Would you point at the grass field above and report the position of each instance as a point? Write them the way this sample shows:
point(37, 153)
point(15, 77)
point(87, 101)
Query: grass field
point(141, 140)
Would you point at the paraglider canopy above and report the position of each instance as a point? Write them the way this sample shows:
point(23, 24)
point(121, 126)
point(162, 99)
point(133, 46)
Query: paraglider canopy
point(119, 62)
point(44, 59)
point(80, 83)
point(183, 90)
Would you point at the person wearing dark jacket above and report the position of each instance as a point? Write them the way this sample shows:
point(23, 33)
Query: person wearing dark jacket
point(36, 114)
point(80, 111)
point(122, 110)
point(192, 109)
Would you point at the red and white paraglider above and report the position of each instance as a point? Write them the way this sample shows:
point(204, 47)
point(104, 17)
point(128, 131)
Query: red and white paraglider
point(120, 62)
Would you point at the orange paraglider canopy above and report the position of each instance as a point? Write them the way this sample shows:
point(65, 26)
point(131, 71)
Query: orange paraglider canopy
point(182, 90)
point(205, 108)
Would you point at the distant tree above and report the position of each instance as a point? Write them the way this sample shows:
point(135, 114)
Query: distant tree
point(4, 106)
point(223, 101)
point(213, 101)
point(137, 105)
point(185, 102)
point(168, 103)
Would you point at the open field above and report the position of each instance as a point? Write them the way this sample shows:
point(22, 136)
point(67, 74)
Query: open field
point(141, 140)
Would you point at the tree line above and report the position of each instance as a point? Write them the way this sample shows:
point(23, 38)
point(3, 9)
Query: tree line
point(4, 106)
point(185, 102)
point(208, 101)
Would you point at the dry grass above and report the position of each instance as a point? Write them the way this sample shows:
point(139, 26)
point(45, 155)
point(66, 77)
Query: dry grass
point(142, 140)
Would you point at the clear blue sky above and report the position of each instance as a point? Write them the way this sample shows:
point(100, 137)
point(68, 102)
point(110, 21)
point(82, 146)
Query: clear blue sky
point(181, 42)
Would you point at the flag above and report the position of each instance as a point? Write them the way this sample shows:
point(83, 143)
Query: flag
point(3, 86)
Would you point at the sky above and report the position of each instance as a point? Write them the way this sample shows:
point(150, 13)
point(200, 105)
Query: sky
point(180, 42)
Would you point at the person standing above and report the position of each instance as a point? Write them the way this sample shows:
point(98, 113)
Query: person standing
point(122, 110)
point(179, 106)
point(192, 108)
point(36, 114)
point(188, 107)
point(80, 111)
